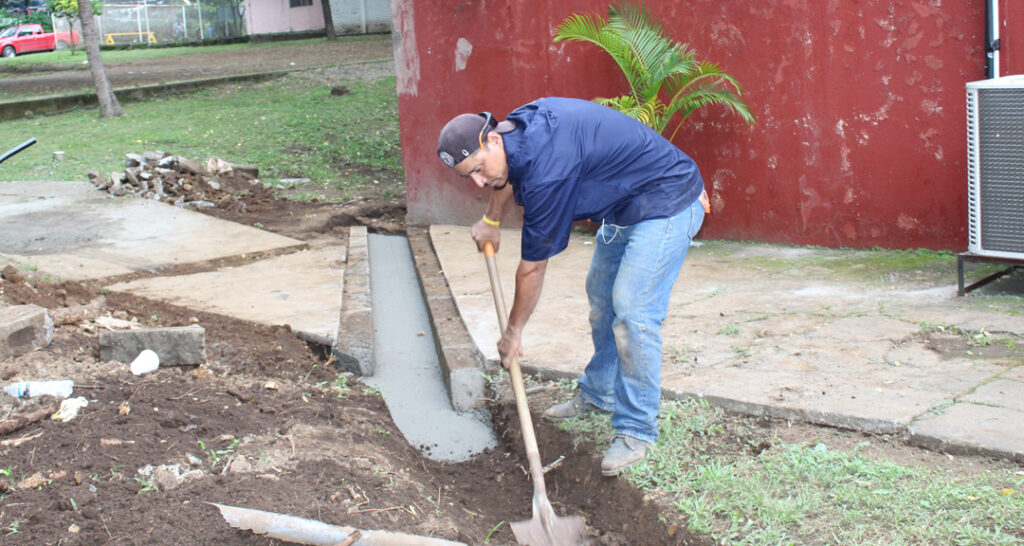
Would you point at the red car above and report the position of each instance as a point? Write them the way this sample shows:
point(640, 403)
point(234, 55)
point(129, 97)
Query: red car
point(25, 39)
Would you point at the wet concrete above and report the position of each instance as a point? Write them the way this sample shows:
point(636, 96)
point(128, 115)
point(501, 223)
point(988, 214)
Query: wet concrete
point(407, 370)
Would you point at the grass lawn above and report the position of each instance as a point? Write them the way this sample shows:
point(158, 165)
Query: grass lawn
point(290, 128)
point(718, 476)
point(112, 56)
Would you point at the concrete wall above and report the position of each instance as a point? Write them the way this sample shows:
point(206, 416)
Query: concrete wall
point(860, 134)
point(350, 16)
point(272, 16)
point(361, 16)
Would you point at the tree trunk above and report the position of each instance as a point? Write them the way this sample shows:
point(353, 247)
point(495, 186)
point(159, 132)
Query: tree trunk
point(109, 107)
point(328, 19)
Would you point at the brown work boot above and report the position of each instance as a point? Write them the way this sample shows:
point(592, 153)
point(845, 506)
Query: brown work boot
point(624, 452)
point(567, 410)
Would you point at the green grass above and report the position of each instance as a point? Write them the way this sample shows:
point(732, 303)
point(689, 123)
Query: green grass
point(808, 493)
point(289, 128)
point(64, 57)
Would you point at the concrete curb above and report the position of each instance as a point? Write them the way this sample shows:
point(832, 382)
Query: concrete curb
point(53, 104)
point(462, 364)
point(354, 346)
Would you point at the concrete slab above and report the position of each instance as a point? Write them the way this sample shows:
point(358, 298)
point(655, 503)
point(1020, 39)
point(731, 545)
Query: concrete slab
point(302, 290)
point(1002, 393)
point(72, 231)
point(973, 428)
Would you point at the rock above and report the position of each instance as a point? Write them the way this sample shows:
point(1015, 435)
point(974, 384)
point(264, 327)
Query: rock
point(176, 346)
point(190, 167)
point(152, 158)
point(129, 177)
point(24, 328)
point(239, 465)
point(133, 160)
point(169, 162)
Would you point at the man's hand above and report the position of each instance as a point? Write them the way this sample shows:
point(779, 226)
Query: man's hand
point(483, 232)
point(510, 344)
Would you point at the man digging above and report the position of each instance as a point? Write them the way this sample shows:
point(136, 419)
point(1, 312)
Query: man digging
point(565, 160)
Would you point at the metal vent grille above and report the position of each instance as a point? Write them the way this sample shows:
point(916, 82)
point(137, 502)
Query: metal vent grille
point(1000, 140)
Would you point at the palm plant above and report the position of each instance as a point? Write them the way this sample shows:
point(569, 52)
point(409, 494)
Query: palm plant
point(655, 67)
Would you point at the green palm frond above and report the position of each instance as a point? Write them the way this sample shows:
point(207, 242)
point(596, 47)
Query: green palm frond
point(655, 66)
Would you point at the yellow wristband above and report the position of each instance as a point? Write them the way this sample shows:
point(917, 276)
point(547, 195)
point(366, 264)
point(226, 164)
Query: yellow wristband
point(490, 222)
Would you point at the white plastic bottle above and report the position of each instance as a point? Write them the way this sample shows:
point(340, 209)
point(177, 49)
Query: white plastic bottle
point(60, 388)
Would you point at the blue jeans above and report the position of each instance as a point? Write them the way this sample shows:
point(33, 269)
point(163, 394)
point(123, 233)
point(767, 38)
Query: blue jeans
point(629, 284)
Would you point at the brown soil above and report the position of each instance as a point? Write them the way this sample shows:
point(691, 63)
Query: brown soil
point(54, 79)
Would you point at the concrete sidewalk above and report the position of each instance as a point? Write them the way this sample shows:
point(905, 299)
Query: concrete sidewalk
point(69, 230)
point(805, 334)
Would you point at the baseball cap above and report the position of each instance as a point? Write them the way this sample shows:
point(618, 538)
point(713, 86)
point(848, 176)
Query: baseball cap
point(462, 136)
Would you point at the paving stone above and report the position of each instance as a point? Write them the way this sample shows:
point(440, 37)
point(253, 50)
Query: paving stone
point(24, 328)
point(176, 346)
point(973, 429)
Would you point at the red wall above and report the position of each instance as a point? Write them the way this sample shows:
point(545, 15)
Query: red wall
point(860, 133)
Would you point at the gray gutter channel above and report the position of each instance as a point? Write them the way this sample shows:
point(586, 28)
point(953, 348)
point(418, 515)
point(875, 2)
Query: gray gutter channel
point(462, 364)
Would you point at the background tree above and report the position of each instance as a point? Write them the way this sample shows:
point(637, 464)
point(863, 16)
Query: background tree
point(109, 106)
point(665, 77)
point(328, 20)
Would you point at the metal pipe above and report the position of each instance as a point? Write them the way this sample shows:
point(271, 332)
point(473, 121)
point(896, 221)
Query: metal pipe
point(17, 149)
point(992, 44)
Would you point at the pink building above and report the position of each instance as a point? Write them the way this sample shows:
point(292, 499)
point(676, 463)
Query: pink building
point(272, 16)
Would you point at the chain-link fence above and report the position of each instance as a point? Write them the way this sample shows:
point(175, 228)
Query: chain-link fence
point(161, 23)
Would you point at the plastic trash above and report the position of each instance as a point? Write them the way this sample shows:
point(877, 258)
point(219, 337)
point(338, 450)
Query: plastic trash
point(146, 362)
point(69, 408)
point(60, 388)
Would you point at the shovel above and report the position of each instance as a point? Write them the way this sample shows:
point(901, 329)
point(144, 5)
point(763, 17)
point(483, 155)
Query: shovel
point(546, 528)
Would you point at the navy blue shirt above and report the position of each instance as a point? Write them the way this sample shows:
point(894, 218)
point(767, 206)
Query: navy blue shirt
point(571, 159)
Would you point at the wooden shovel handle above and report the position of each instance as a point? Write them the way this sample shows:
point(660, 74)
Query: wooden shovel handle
point(516, 375)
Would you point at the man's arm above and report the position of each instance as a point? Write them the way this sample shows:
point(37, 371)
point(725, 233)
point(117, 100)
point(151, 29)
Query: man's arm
point(497, 203)
point(529, 282)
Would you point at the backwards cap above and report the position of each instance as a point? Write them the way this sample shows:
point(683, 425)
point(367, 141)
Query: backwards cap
point(461, 136)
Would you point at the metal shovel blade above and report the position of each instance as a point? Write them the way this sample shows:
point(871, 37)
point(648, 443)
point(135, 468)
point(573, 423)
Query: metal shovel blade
point(547, 529)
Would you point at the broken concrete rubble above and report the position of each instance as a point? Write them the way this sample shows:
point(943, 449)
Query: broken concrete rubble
point(174, 179)
point(176, 346)
point(24, 328)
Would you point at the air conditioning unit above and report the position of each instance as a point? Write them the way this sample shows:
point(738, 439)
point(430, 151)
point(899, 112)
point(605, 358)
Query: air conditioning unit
point(995, 167)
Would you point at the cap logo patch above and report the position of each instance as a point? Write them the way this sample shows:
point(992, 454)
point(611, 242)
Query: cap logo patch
point(448, 159)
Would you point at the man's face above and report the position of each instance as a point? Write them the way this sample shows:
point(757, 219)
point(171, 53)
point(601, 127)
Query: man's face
point(487, 167)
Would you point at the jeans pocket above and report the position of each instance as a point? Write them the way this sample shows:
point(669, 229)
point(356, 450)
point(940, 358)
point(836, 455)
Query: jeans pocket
point(696, 219)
